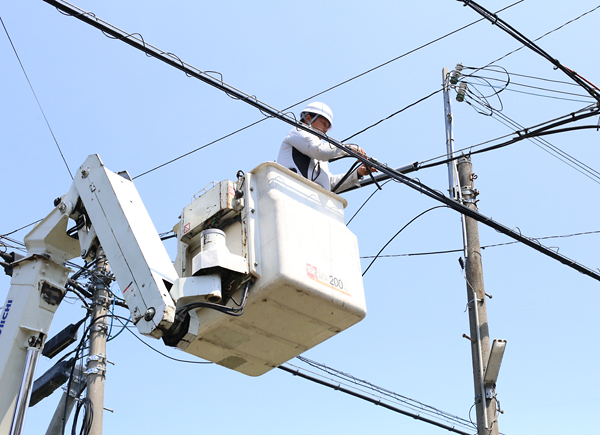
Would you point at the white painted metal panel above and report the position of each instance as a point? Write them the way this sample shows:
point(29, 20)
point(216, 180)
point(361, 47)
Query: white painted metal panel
point(135, 252)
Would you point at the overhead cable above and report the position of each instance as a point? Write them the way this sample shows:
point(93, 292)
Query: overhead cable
point(533, 94)
point(542, 143)
point(19, 229)
point(378, 402)
point(173, 60)
point(378, 391)
point(503, 25)
point(291, 120)
point(394, 114)
point(448, 251)
point(36, 99)
point(542, 129)
point(545, 34)
point(121, 319)
point(512, 82)
point(399, 231)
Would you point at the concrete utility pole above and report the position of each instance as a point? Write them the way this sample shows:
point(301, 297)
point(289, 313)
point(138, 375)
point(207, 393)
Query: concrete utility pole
point(460, 179)
point(487, 422)
point(77, 387)
point(96, 365)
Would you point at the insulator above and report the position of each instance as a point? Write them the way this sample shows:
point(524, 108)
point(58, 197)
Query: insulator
point(456, 73)
point(462, 90)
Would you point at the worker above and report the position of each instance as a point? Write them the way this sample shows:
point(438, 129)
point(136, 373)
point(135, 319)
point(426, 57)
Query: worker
point(306, 154)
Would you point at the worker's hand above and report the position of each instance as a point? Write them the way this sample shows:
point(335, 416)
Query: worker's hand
point(364, 170)
point(356, 148)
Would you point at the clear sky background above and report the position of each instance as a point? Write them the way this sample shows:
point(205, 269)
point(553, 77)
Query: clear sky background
point(103, 97)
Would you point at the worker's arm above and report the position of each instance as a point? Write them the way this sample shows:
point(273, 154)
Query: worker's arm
point(353, 180)
point(311, 146)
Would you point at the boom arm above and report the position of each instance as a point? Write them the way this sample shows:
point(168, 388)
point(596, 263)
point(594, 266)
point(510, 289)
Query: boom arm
point(109, 212)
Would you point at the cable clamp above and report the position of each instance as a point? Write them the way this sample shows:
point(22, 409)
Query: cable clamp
point(99, 328)
point(99, 370)
point(97, 357)
point(469, 191)
point(102, 300)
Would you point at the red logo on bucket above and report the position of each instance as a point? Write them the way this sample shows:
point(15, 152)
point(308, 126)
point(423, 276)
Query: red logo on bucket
point(311, 271)
point(186, 228)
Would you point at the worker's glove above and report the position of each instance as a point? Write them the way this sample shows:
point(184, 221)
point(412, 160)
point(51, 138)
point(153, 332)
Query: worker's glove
point(356, 148)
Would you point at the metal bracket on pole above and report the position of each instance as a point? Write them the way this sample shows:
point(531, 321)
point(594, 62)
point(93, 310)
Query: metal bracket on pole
point(98, 357)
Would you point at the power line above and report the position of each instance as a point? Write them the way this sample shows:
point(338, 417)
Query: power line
point(36, 99)
point(533, 94)
point(483, 247)
point(503, 25)
point(171, 59)
point(19, 229)
point(526, 133)
point(394, 236)
point(512, 82)
point(154, 349)
point(553, 150)
point(393, 114)
point(363, 385)
point(338, 387)
point(401, 56)
point(544, 35)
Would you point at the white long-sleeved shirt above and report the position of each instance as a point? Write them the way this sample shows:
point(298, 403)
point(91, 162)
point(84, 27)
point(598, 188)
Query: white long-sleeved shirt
point(308, 155)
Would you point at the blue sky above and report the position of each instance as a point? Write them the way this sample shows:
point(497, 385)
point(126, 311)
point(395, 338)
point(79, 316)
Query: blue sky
point(102, 96)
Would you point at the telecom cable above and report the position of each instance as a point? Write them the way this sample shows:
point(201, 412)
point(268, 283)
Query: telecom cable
point(122, 319)
point(380, 391)
point(394, 236)
point(22, 228)
point(449, 251)
point(545, 34)
point(171, 59)
point(378, 402)
point(36, 99)
point(533, 131)
point(503, 25)
point(553, 150)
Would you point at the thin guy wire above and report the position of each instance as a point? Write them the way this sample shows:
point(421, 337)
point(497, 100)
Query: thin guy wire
point(36, 99)
point(483, 247)
point(19, 229)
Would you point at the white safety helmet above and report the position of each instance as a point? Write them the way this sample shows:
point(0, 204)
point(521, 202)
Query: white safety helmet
point(320, 109)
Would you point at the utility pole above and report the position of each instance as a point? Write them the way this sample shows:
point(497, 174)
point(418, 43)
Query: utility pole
point(77, 387)
point(461, 186)
point(96, 362)
point(487, 422)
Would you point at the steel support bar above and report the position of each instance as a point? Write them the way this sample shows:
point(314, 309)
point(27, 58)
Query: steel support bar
point(338, 387)
point(33, 355)
point(269, 111)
